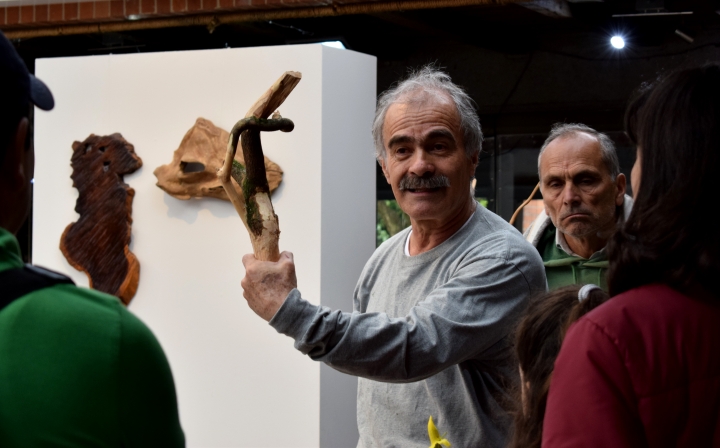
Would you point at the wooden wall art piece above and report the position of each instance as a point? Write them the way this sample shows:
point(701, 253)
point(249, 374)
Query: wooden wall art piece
point(252, 201)
point(193, 170)
point(97, 243)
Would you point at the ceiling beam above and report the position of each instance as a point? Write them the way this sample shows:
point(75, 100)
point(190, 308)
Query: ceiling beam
point(215, 19)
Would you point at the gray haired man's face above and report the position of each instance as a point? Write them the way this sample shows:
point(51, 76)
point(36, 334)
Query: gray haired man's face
point(578, 192)
point(425, 161)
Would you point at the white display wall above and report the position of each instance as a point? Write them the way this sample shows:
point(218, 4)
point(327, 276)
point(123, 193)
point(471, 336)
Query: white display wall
point(239, 383)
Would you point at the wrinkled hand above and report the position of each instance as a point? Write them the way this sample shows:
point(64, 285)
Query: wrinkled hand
point(267, 284)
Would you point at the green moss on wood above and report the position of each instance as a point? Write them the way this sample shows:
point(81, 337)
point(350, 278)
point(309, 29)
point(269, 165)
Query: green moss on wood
point(254, 220)
point(237, 172)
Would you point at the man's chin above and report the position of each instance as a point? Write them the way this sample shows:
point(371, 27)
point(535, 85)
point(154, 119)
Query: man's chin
point(579, 232)
point(422, 212)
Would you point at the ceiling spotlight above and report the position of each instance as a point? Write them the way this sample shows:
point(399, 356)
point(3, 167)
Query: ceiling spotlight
point(617, 42)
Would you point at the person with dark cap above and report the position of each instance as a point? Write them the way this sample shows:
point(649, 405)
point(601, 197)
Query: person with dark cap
point(76, 367)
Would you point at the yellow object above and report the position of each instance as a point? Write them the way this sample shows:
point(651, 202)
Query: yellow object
point(435, 439)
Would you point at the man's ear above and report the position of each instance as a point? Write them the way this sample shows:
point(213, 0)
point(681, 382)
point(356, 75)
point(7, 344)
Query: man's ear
point(13, 167)
point(474, 160)
point(621, 184)
point(381, 161)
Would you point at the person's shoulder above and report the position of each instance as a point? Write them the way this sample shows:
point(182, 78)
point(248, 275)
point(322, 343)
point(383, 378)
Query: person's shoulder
point(666, 339)
point(650, 308)
point(492, 236)
point(538, 228)
point(68, 306)
point(90, 312)
point(85, 301)
point(68, 296)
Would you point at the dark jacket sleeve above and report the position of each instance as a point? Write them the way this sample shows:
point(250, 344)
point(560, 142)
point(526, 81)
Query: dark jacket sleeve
point(148, 404)
point(591, 402)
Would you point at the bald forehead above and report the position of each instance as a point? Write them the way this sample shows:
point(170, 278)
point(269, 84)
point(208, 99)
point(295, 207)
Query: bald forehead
point(578, 147)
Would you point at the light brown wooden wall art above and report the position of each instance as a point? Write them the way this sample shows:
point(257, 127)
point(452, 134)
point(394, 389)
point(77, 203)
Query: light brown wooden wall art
point(193, 170)
point(98, 243)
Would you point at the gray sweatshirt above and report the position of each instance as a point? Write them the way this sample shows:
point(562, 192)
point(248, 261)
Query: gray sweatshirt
point(429, 335)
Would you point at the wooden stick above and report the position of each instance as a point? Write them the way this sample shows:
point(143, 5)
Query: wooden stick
point(275, 96)
point(527, 201)
point(254, 206)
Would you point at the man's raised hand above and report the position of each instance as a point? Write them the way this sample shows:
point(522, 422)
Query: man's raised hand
point(267, 284)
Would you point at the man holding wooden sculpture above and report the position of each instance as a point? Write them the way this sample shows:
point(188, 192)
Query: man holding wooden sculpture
point(434, 304)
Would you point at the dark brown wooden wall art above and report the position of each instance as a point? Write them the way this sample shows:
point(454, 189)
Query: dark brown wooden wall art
point(98, 243)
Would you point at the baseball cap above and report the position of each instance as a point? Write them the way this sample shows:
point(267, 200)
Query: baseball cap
point(17, 85)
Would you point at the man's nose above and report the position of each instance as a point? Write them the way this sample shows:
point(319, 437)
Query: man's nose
point(421, 164)
point(570, 193)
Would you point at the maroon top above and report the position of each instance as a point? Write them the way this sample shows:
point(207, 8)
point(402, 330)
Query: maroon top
point(641, 370)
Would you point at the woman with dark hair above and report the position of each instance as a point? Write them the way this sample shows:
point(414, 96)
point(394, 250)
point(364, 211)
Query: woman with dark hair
point(537, 343)
point(643, 370)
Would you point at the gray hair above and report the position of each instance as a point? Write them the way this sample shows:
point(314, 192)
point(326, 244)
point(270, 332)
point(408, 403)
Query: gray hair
point(607, 147)
point(432, 81)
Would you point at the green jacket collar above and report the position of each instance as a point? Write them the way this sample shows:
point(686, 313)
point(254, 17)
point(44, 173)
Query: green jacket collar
point(9, 251)
point(553, 256)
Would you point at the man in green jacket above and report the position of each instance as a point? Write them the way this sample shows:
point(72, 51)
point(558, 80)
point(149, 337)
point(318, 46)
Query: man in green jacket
point(76, 368)
point(584, 195)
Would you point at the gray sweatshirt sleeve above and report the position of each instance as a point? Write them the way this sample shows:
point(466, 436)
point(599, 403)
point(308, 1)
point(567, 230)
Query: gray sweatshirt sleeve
point(468, 317)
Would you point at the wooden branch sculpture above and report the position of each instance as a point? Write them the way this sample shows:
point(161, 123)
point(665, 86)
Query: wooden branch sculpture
point(254, 205)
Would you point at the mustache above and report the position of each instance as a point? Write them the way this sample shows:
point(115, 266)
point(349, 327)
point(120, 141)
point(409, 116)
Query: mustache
point(409, 182)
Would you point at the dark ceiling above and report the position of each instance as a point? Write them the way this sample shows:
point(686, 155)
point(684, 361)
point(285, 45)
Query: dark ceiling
point(524, 69)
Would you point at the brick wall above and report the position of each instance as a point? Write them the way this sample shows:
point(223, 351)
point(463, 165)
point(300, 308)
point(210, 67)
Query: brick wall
point(41, 15)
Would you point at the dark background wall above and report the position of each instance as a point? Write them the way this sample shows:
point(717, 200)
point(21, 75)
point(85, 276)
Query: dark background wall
point(525, 69)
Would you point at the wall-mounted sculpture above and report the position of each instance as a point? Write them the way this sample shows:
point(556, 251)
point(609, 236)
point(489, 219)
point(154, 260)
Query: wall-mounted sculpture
point(97, 243)
point(193, 170)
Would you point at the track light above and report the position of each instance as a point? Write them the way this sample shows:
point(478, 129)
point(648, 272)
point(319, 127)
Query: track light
point(617, 42)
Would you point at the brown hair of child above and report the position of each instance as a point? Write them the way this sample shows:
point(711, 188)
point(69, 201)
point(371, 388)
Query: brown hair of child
point(538, 338)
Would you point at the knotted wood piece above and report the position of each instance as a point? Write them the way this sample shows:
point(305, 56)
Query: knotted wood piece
point(253, 203)
point(98, 243)
point(192, 173)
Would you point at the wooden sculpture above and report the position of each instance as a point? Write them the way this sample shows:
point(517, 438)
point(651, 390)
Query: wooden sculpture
point(97, 243)
point(193, 170)
point(253, 202)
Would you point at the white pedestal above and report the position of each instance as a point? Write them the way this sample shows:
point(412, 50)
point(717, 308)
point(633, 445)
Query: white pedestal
point(239, 383)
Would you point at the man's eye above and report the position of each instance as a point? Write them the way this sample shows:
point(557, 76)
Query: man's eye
point(401, 151)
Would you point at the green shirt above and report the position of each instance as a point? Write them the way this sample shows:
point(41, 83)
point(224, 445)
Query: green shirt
point(563, 269)
point(78, 369)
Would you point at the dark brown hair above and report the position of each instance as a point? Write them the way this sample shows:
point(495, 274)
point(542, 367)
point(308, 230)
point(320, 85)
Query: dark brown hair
point(671, 237)
point(538, 338)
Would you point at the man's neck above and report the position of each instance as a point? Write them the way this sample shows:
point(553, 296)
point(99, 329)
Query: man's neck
point(428, 235)
point(585, 247)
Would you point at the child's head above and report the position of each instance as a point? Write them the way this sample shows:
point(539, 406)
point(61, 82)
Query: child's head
point(538, 338)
